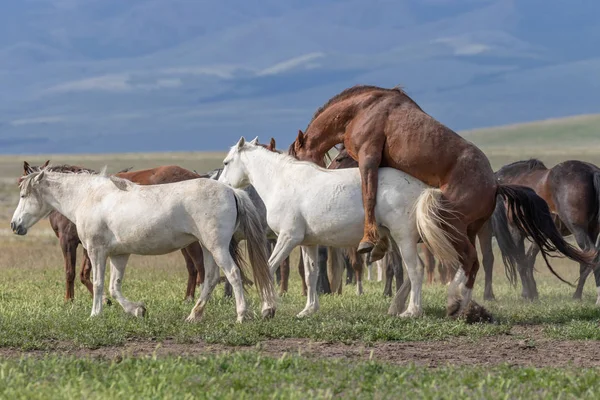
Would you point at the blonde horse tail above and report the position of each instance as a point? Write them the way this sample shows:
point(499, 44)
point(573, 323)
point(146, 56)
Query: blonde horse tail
point(256, 245)
point(435, 231)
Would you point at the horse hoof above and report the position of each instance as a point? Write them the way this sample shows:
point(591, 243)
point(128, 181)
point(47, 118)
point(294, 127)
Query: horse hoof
point(453, 309)
point(410, 314)
point(268, 313)
point(188, 299)
point(193, 318)
point(365, 247)
point(140, 311)
point(107, 301)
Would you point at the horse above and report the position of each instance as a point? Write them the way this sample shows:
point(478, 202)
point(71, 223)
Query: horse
point(308, 205)
point(572, 191)
point(116, 218)
point(66, 231)
point(383, 127)
point(392, 262)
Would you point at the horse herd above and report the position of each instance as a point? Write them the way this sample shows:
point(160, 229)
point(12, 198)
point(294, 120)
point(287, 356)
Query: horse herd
point(400, 179)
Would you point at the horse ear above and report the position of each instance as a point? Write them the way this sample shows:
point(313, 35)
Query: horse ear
point(300, 139)
point(45, 164)
point(39, 176)
point(26, 168)
point(241, 143)
point(271, 145)
point(254, 141)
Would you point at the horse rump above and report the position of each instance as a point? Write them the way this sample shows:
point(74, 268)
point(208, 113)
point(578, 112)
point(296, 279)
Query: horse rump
point(531, 215)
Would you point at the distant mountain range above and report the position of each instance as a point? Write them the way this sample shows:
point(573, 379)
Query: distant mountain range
point(162, 75)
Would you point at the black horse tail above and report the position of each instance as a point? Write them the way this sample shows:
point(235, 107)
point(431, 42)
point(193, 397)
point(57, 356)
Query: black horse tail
point(597, 189)
point(509, 248)
point(532, 217)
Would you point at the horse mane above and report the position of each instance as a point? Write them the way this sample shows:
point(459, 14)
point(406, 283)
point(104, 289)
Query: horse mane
point(287, 158)
point(533, 164)
point(66, 168)
point(355, 90)
point(121, 184)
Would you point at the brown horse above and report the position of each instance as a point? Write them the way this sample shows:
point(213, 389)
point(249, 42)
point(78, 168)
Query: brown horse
point(66, 231)
point(386, 128)
point(572, 191)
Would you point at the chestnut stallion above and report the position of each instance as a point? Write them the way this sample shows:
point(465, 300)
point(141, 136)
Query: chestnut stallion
point(385, 128)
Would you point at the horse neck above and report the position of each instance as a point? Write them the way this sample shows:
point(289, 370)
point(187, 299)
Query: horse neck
point(67, 193)
point(264, 171)
point(323, 134)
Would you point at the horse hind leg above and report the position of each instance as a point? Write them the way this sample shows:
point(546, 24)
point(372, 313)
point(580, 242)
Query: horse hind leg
point(192, 275)
point(211, 278)
point(585, 243)
point(117, 273)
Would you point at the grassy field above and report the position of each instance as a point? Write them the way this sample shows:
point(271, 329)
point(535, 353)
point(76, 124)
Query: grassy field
point(351, 348)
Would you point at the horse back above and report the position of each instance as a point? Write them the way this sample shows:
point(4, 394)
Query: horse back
point(160, 175)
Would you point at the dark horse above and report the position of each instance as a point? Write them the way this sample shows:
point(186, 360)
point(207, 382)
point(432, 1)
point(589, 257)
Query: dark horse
point(572, 191)
point(66, 231)
point(386, 128)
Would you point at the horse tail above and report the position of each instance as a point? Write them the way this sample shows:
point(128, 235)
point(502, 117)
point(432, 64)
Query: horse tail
point(335, 269)
point(435, 231)
point(532, 217)
point(506, 243)
point(256, 246)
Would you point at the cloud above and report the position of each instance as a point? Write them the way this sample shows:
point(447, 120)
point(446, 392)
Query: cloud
point(105, 83)
point(284, 66)
point(37, 120)
point(463, 46)
point(223, 71)
point(115, 83)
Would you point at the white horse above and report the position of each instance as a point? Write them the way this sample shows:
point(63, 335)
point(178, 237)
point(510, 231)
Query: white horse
point(116, 218)
point(308, 205)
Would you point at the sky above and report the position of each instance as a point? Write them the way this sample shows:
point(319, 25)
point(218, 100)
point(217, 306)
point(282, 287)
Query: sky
point(96, 76)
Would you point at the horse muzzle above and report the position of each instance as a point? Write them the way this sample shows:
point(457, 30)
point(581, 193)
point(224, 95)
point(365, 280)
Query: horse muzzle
point(18, 229)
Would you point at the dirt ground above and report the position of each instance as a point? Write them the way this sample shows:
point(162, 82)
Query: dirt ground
point(524, 346)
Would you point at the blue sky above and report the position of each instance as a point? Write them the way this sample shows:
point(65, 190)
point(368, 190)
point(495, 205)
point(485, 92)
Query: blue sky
point(164, 75)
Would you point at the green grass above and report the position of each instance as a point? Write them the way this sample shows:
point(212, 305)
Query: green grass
point(34, 316)
point(249, 375)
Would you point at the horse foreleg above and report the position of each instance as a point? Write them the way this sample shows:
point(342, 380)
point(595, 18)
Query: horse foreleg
point(369, 171)
point(69, 250)
point(311, 254)
point(98, 258)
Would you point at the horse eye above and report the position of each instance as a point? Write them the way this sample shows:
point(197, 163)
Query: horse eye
point(225, 163)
